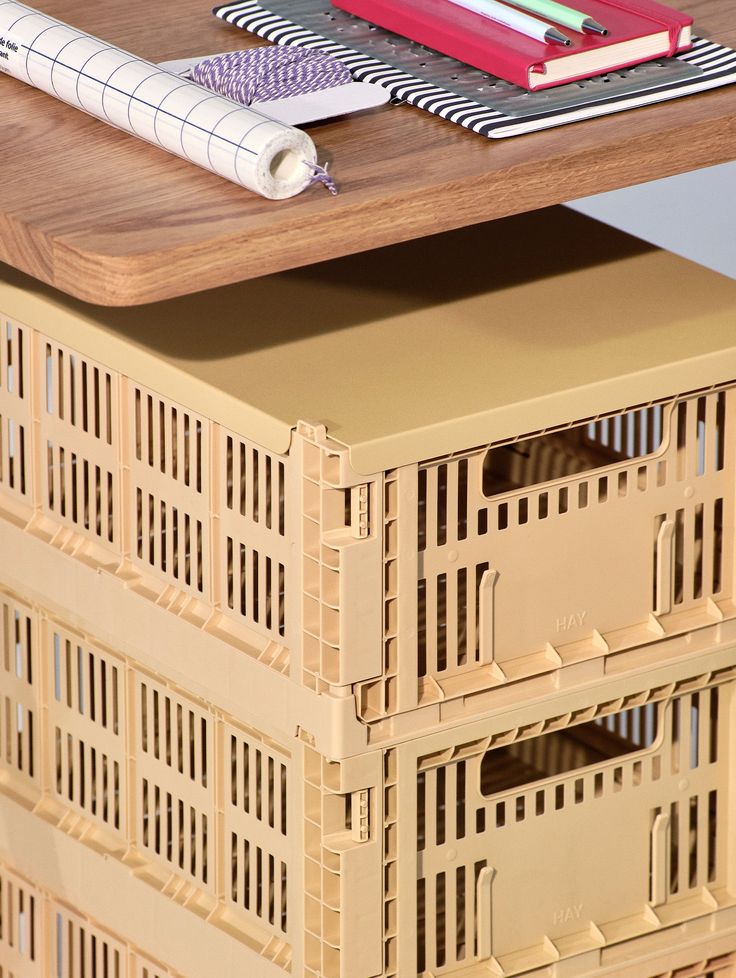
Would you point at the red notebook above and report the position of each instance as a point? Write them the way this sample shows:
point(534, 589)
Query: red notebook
point(638, 30)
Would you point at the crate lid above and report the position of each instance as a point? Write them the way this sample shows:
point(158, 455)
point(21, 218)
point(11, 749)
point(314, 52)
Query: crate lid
point(418, 350)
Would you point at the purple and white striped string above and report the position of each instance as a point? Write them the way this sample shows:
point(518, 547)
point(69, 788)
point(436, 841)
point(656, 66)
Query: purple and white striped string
point(269, 73)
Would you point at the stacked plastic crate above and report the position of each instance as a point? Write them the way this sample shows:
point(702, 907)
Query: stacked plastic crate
point(350, 710)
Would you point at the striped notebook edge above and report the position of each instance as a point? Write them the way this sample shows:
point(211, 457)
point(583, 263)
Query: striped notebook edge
point(718, 64)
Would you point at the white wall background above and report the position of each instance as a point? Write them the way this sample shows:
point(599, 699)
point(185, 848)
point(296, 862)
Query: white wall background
point(693, 215)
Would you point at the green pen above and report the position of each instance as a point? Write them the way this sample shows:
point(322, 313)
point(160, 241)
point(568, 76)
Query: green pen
point(576, 20)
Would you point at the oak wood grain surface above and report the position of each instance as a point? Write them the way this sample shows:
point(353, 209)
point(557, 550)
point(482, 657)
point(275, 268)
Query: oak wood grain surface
point(112, 220)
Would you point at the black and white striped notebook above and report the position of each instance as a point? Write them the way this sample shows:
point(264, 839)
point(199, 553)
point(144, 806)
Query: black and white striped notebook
point(717, 66)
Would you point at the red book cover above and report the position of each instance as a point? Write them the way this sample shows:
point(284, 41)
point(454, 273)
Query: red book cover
point(475, 40)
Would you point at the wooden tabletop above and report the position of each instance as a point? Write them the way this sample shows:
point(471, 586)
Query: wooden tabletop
point(114, 221)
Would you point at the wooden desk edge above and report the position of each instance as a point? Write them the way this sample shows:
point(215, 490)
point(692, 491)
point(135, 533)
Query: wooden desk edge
point(149, 276)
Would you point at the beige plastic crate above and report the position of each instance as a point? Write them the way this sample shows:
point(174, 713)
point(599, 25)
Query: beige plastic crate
point(252, 712)
point(43, 936)
point(567, 837)
point(458, 523)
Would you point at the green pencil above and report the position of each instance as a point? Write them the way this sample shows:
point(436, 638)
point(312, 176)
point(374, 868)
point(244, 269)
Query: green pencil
point(576, 20)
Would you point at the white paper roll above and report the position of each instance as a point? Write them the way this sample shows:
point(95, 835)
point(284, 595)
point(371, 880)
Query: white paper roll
point(140, 98)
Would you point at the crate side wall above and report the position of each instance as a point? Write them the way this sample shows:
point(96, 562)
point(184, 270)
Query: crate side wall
point(134, 484)
point(568, 837)
point(131, 766)
point(123, 621)
point(553, 552)
point(84, 904)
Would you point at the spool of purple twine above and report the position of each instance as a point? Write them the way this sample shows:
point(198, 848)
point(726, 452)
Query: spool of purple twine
point(269, 73)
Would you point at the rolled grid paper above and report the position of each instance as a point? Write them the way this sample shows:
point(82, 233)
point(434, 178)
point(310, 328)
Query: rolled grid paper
point(233, 141)
point(270, 73)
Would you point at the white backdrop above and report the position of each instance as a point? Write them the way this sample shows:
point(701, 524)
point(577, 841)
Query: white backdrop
point(693, 214)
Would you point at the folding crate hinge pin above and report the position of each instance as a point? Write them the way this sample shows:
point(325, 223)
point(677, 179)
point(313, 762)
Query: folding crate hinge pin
point(361, 809)
point(360, 512)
